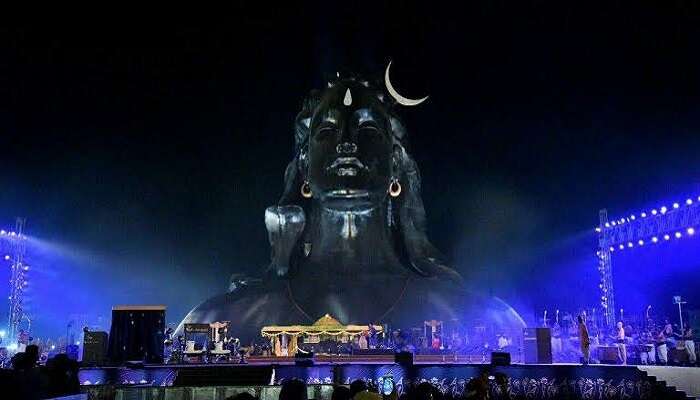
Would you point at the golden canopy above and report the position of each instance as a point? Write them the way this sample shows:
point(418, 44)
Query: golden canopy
point(325, 325)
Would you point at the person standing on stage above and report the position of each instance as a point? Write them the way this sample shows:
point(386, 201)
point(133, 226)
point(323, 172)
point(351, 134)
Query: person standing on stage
point(661, 348)
point(620, 339)
point(689, 344)
point(648, 353)
point(585, 340)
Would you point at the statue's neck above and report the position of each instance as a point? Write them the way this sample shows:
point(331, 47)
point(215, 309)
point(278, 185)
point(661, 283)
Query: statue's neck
point(348, 240)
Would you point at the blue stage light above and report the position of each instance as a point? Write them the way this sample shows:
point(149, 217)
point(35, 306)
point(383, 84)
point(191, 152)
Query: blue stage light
point(622, 247)
point(632, 217)
point(607, 224)
point(663, 210)
point(654, 239)
point(689, 201)
point(644, 215)
point(691, 231)
point(678, 235)
point(641, 242)
point(666, 237)
point(630, 244)
point(653, 212)
point(613, 223)
point(676, 205)
point(597, 229)
point(7, 256)
point(612, 249)
point(3, 232)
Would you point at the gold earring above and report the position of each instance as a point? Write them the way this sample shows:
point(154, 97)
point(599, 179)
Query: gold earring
point(306, 190)
point(394, 188)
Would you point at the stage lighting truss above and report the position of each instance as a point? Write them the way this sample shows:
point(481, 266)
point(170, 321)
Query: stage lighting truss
point(652, 227)
point(13, 245)
point(677, 221)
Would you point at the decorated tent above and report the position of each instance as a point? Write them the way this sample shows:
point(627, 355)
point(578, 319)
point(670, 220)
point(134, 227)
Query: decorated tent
point(284, 338)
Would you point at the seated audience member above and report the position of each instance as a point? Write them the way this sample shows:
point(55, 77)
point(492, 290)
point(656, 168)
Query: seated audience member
point(242, 396)
point(478, 387)
point(63, 376)
point(294, 389)
point(341, 393)
point(357, 386)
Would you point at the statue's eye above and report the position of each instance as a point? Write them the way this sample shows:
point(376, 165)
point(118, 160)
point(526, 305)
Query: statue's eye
point(326, 130)
point(368, 128)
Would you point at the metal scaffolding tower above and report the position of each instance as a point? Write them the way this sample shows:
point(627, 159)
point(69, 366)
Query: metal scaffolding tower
point(650, 227)
point(17, 278)
point(607, 292)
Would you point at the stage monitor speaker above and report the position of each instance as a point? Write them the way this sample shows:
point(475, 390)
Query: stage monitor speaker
point(500, 359)
point(537, 346)
point(94, 348)
point(137, 334)
point(404, 358)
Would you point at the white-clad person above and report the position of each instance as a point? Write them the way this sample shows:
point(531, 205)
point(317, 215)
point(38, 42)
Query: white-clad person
point(661, 348)
point(621, 340)
point(689, 344)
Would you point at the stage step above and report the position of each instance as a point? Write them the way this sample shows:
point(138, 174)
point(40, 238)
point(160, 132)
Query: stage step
point(683, 379)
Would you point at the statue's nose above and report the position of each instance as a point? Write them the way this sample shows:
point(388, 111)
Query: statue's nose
point(346, 148)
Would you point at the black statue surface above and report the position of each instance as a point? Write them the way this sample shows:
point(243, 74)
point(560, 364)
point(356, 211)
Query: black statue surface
point(348, 236)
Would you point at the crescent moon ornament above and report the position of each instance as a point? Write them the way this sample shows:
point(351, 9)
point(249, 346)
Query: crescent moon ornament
point(400, 99)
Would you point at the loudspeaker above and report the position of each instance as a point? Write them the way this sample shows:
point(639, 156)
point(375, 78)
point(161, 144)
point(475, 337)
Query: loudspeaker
point(404, 357)
point(137, 334)
point(537, 346)
point(94, 347)
point(500, 359)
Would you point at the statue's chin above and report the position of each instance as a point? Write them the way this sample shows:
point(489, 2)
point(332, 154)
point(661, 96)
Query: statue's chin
point(348, 199)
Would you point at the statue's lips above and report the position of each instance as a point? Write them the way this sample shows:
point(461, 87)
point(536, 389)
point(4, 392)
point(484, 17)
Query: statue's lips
point(348, 193)
point(346, 166)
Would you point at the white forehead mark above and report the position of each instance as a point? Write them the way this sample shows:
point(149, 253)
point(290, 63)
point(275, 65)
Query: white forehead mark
point(348, 97)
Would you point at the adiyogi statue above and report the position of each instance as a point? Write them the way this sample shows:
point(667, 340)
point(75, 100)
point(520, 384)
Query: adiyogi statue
point(348, 235)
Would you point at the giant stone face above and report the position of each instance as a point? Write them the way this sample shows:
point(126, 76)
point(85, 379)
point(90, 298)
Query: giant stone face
point(350, 148)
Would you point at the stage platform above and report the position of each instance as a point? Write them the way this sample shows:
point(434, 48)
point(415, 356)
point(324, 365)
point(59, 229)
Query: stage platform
point(263, 377)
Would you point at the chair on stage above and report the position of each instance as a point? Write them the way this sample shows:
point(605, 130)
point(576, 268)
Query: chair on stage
point(196, 343)
point(218, 334)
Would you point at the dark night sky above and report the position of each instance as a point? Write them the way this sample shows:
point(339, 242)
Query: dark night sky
point(143, 158)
